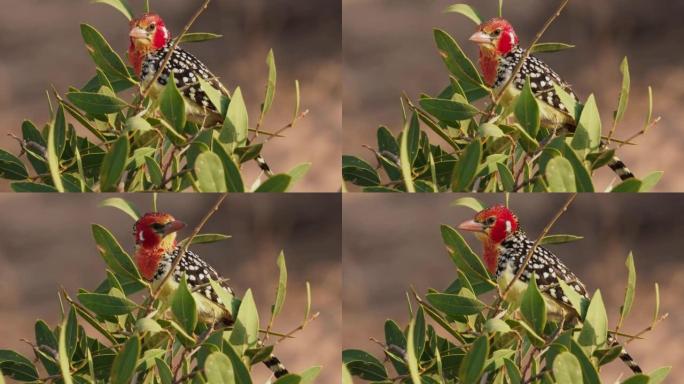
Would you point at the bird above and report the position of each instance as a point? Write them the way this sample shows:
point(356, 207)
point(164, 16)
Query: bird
point(500, 53)
point(150, 42)
point(506, 247)
point(155, 251)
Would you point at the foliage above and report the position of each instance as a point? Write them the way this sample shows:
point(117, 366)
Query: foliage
point(138, 144)
point(146, 342)
point(455, 336)
point(495, 149)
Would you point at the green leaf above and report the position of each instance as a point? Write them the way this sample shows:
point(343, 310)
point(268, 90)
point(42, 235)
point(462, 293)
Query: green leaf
point(363, 365)
point(513, 372)
point(629, 185)
point(270, 86)
point(559, 239)
point(239, 368)
point(466, 167)
point(298, 172)
point(550, 47)
point(468, 202)
point(405, 159)
point(17, 366)
point(123, 205)
point(165, 373)
point(206, 238)
point(114, 256)
point(96, 103)
point(154, 170)
point(459, 65)
point(587, 136)
point(629, 290)
point(232, 171)
point(246, 329)
point(448, 110)
point(210, 173)
point(309, 375)
point(106, 305)
point(657, 376)
point(467, 11)
point(60, 132)
point(147, 325)
point(275, 183)
point(494, 325)
point(474, 361)
point(419, 333)
point(120, 5)
point(637, 379)
point(589, 373)
point(624, 91)
point(104, 56)
point(172, 105)
point(489, 130)
point(358, 172)
point(125, 362)
point(183, 306)
point(413, 138)
point(233, 134)
point(507, 181)
point(113, 165)
point(411, 355)
point(533, 307)
point(53, 159)
point(219, 369)
point(282, 287)
point(463, 256)
point(71, 333)
point(578, 302)
point(566, 369)
point(64, 358)
point(196, 37)
point(560, 175)
point(527, 110)
point(454, 305)
point(650, 180)
point(593, 333)
point(568, 101)
point(649, 115)
point(11, 167)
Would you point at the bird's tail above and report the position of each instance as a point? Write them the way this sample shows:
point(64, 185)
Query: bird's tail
point(624, 356)
point(263, 165)
point(272, 362)
point(618, 166)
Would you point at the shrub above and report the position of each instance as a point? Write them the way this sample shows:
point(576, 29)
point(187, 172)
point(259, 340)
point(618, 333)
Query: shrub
point(493, 149)
point(144, 342)
point(453, 336)
point(139, 145)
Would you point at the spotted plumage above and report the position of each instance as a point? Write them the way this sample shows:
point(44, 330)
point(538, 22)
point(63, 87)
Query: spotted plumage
point(500, 55)
point(505, 249)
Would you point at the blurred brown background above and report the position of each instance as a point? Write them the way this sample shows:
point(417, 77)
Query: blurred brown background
point(393, 241)
point(41, 45)
point(46, 242)
point(389, 48)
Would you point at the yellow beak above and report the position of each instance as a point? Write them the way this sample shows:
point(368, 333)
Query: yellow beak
point(471, 225)
point(138, 33)
point(480, 38)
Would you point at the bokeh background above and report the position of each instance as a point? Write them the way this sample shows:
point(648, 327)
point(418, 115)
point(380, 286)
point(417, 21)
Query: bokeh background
point(392, 242)
point(41, 45)
point(389, 49)
point(46, 243)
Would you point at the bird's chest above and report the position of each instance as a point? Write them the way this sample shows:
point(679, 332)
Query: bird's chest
point(504, 69)
point(149, 68)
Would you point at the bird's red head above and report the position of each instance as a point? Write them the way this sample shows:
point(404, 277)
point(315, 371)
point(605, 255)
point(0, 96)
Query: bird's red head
point(155, 235)
point(156, 229)
point(496, 38)
point(147, 33)
point(492, 226)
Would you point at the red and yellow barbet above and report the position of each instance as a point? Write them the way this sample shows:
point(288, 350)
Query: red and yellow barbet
point(155, 252)
point(505, 248)
point(500, 54)
point(150, 42)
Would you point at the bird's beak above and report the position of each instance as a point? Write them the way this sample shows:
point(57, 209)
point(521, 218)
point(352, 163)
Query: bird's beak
point(472, 226)
point(138, 33)
point(480, 37)
point(173, 226)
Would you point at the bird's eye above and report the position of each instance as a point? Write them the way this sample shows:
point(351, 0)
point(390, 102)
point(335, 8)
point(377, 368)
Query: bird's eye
point(497, 32)
point(490, 221)
point(151, 27)
point(157, 226)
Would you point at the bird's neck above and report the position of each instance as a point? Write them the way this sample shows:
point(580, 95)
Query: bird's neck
point(491, 256)
point(137, 55)
point(148, 258)
point(490, 62)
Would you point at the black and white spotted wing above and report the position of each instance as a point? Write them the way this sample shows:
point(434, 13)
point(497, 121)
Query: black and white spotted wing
point(187, 70)
point(198, 273)
point(542, 77)
point(544, 264)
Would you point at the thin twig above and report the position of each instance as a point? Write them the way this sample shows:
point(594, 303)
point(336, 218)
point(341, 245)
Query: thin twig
point(536, 243)
point(299, 328)
point(286, 127)
point(147, 88)
point(641, 132)
point(526, 54)
point(179, 256)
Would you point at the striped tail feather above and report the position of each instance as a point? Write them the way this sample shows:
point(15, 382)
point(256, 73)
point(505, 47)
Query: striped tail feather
point(272, 362)
point(624, 356)
point(263, 165)
point(620, 168)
